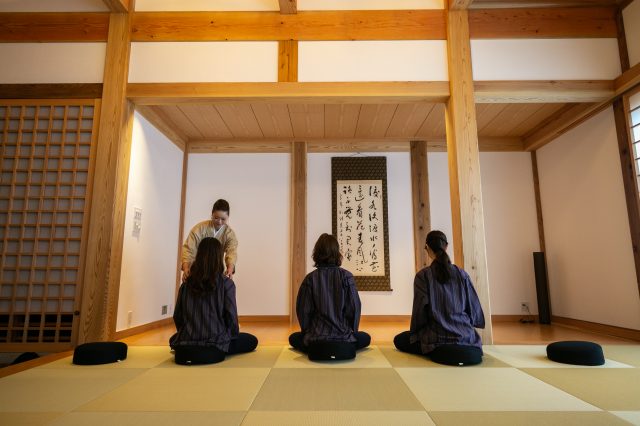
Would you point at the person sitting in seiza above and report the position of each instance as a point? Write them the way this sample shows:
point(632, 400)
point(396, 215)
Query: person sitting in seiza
point(328, 304)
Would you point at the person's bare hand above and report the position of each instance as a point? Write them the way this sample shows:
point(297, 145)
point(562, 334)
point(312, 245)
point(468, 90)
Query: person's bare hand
point(230, 271)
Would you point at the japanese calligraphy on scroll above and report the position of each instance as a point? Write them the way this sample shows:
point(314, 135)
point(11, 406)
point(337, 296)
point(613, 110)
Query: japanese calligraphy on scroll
point(360, 219)
point(360, 226)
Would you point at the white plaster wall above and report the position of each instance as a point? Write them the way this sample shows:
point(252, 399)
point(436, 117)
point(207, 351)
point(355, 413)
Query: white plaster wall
point(257, 188)
point(52, 62)
point(168, 62)
point(510, 225)
point(52, 6)
point(511, 229)
point(545, 59)
point(149, 261)
point(631, 16)
point(589, 255)
point(405, 60)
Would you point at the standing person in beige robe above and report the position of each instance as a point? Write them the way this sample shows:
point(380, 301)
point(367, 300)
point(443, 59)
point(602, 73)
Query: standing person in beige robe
point(217, 228)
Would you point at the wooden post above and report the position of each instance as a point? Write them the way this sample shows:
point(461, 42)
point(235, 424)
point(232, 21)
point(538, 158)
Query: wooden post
point(106, 225)
point(183, 197)
point(464, 163)
point(625, 148)
point(536, 190)
point(420, 198)
point(298, 221)
point(288, 61)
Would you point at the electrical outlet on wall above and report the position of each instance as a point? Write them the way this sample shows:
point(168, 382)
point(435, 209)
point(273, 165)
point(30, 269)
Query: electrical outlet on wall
point(524, 307)
point(165, 309)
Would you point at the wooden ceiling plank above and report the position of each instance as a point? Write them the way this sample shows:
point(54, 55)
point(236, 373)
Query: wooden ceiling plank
point(207, 120)
point(181, 120)
point(506, 120)
point(374, 119)
point(408, 119)
point(240, 119)
point(433, 126)
point(552, 22)
point(543, 91)
point(273, 119)
point(307, 120)
point(53, 27)
point(535, 117)
point(341, 120)
point(486, 113)
point(161, 122)
point(304, 26)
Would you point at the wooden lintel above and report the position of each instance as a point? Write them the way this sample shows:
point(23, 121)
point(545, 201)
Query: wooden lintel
point(342, 145)
point(350, 92)
point(288, 7)
point(51, 91)
point(540, 91)
point(312, 25)
point(161, 122)
point(567, 22)
point(53, 27)
point(117, 5)
point(559, 123)
point(628, 80)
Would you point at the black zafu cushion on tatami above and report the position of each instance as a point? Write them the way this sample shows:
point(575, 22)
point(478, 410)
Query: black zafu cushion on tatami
point(99, 353)
point(331, 351)
point(194, 355)
point(576, 352)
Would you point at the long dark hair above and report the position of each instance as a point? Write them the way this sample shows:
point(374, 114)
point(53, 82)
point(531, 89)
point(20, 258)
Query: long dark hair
point(326, 252)
point(441, 265)
point(208, 266)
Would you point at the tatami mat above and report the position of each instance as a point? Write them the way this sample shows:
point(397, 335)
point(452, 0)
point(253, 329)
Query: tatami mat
point(337, 418)
point(276, 385)
point(488, 389)
point(313, 389)
point(185, 389)
point(535, 356)
point(610, 389)
point(526, 418)
point(370, 357)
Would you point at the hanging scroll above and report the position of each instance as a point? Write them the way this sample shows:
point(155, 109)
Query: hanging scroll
point(360, 219)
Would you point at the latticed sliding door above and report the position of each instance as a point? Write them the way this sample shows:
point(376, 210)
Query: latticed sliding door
point(47, 156)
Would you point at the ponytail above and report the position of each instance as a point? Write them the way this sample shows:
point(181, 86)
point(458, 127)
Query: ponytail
point(437, 242)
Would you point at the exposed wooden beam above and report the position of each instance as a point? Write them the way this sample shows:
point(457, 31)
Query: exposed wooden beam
point(629, 176)
point(51, 91)
point(316, 25)
point(298, 221)
point(53, 27)
point(362, 92)
point(622, 41)
point(559, 123)
point(541, 91)
point(118, 5)
point(342, 145)
point(628, 80)
point(420, 200)
point(288, 7)
point(288, 61)
point(596, 22)
point(464, 164)
point(164, 124)
point(101, 281)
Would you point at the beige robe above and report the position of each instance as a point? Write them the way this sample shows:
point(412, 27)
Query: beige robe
point(206, 229)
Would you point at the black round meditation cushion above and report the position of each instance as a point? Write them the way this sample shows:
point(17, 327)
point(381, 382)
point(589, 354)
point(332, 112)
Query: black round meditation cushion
point(331, 351)
point(196, 355)
point(576, 352)
point(99, 353)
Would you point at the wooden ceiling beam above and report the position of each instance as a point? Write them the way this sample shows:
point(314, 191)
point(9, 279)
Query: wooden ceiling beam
point(566, 22)
point(540, 91)
point(53, 27)
point(250, 145)
point(628, 80)
point(118, 5)
point(288, 7)
point(318, 93)
point(312, 25)
point(51, 91)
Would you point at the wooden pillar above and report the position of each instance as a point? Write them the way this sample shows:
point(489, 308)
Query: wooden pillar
point(536, 190)
point(298, 221)
point(288, 61)
point(464, 163)
point(420, 198)
point(625, 148)
point(183, 197)
point(108, 202)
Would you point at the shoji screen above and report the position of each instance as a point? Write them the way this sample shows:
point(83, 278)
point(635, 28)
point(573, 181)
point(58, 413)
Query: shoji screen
point(46, 172)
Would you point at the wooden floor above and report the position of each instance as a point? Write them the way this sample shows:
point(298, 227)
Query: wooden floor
point(505, 333)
